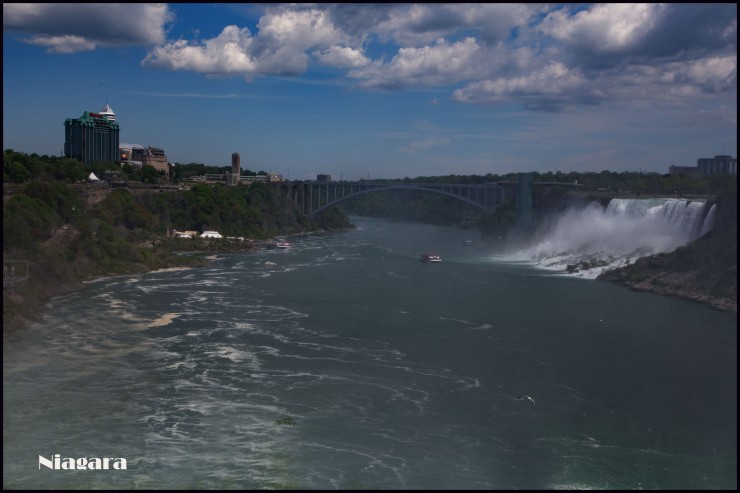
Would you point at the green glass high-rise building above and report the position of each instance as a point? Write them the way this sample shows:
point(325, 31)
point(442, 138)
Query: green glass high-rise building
point(92, 137)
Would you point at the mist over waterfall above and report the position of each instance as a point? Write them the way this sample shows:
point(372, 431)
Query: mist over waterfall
point(586, 242)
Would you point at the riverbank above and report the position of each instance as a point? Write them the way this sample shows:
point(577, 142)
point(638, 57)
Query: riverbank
point(652, 274)
point(26, 306)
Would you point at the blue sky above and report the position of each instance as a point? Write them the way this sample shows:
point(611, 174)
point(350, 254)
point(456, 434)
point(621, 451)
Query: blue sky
point(382, 90)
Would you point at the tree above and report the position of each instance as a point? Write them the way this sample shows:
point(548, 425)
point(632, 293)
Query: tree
point(25, 220)
point(149, 174)
point(15, 172)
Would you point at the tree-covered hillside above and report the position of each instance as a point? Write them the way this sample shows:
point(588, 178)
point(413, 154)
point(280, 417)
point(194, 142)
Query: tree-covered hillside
point(67, 239)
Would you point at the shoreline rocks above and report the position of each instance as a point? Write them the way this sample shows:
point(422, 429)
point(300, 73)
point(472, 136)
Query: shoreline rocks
point(650, 274)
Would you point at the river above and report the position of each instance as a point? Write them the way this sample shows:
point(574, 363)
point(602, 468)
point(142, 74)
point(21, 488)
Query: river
point(344, 362)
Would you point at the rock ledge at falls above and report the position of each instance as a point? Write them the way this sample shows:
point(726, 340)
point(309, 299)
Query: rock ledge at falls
point(654, 274)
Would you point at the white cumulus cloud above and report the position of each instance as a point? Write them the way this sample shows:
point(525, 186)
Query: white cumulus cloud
point(438, 64)
point(419, 24)
point(279, 48)
point(301, 29)
point(553, 80)
point(342, 57)
point(604, 27)
point(63, 44)
point(228, 53)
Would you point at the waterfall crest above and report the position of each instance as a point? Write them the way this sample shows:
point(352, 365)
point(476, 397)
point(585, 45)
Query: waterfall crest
point(589, 241)
point(685, 215)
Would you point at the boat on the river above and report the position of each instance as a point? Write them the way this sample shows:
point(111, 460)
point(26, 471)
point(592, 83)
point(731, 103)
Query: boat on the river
point(283, 244)
point(430, 258)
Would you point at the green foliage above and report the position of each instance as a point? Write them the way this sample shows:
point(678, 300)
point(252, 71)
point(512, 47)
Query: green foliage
point(26, 220)
point(100, 167)
point(144, 174)
point(21, 168)
point(184, 171)
point(70, 170)
point(119, 208)
point(258, 211)
point(15, 172)
point(60, 197)
point(149, 174)
point(331, 218)
point(631, 182)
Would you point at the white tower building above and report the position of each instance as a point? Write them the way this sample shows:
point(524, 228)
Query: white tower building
point(107, 113)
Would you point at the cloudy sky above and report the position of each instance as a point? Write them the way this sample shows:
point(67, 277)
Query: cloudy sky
point(382, 90)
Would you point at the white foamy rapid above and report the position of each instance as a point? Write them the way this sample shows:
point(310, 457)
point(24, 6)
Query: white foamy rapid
point(589, 241)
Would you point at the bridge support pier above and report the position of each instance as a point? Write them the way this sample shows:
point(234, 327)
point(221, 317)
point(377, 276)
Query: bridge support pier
point(524, 201)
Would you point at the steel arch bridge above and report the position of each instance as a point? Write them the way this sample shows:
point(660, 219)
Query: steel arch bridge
point(313, 197)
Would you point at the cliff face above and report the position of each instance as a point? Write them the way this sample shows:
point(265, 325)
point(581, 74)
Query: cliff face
point(655, 274)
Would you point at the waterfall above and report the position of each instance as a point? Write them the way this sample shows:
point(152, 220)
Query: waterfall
point(685, 216)
point(708, 224)
point(588, 241)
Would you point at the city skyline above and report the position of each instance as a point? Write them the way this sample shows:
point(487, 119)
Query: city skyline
point(382, 90)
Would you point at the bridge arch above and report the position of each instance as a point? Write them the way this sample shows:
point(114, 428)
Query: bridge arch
point(422, 188)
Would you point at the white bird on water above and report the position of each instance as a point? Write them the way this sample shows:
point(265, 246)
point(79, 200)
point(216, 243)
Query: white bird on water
point(522, 397)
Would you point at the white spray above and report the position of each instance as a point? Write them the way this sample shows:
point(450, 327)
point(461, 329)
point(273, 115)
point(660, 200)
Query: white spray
point(589, 241)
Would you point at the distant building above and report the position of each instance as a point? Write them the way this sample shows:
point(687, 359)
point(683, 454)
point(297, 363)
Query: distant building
point(156, 157)
point(107, 113)
point(718, 165)
point(214, 178)
point(249, 179)
point(131, 154)
point(323, 178)
point(236, 167)
point(686, 170)
point(268, 178)
point(92, 137)
point(138, 156)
